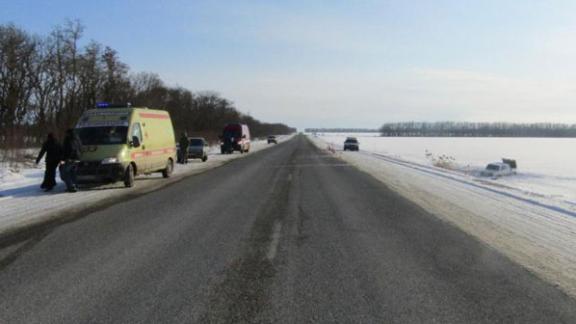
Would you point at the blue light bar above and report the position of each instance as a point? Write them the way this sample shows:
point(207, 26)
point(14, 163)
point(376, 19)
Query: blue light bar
point(104, 104)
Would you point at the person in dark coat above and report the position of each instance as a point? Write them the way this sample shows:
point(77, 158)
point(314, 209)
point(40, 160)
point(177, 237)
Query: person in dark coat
point(71, 151)
point(51, 148)
point(184, 146)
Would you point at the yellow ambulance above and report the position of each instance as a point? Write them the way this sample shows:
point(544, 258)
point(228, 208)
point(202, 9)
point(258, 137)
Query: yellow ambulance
point(120, 142)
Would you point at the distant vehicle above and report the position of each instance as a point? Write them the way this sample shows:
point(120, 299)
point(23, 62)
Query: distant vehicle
point(351, 144)
point(272, 139)
point(235, 137)
point(197, 148)
point(499, 169)
point(120, 142)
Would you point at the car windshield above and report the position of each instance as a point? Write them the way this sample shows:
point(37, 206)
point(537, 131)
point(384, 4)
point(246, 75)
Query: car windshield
point(196, 142)
point(493, 167)
point(102, 135)
point(352, 141)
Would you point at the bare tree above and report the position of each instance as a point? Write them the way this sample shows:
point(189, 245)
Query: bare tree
point(17, 52)
point(47, 82)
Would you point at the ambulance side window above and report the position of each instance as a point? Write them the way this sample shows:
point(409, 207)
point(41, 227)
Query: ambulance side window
point(136, 131)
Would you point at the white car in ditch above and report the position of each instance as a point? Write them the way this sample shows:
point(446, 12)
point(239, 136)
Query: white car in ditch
point(499, 169)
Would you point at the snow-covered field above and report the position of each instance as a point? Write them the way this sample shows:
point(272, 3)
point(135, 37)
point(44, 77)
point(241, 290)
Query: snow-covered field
point(530, 217)
point(546, 166)
point(22, 202)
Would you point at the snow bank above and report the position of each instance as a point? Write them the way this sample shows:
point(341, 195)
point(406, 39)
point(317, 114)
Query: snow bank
point(23, 203)
point(537, 231)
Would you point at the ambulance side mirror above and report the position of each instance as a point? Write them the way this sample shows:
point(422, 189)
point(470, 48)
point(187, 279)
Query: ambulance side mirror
point(135, 141)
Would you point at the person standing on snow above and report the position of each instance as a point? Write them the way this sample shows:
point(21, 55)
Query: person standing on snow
point(51, 148)
point(184, 144)
point(71, 150)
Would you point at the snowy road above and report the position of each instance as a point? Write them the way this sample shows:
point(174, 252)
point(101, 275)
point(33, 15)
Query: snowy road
point(536, 232)
point(287, 235)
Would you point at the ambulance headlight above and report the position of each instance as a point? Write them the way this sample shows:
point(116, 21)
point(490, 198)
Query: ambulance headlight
point(110, 160)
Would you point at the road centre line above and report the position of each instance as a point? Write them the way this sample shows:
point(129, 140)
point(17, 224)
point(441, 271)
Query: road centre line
point(273, 248)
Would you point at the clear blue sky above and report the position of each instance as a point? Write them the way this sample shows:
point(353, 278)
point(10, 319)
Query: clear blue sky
point(344, 63)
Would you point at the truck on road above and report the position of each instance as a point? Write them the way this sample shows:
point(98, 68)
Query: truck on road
point(235, 137)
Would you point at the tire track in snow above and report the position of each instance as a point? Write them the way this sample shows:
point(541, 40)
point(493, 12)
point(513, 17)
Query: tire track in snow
point(426, 170)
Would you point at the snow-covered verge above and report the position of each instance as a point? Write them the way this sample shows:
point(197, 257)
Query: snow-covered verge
point(536, 231)
point(23, 203)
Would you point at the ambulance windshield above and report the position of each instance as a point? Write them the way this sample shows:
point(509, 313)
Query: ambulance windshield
point(103, 135)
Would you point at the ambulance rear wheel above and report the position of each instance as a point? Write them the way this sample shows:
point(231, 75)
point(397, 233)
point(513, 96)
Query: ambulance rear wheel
point(129, 176)
point(167, 172)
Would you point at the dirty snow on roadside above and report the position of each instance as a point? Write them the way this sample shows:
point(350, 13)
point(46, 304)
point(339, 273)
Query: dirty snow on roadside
point(538, 232)
point(22, 202)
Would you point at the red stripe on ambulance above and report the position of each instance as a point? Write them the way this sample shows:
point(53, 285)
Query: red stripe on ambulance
point(137, 155)
point(156, 116)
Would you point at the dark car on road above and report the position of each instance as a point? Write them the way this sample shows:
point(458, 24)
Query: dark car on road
point(351, 144)
point(198, 148)
point(272, 139)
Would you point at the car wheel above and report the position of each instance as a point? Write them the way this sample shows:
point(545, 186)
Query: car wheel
point(129, 176)
point(204, 158)
point(167, 172)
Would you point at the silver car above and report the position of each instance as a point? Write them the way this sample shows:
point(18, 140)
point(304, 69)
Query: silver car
point(198, 148)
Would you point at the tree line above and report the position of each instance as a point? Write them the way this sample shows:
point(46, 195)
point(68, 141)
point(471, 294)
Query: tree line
point(471, 129)
point(46, 82)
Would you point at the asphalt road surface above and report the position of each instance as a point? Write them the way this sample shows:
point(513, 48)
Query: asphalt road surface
point(287, 235)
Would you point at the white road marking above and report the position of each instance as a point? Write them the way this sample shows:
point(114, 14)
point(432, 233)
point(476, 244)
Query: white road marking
point(273, 248)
